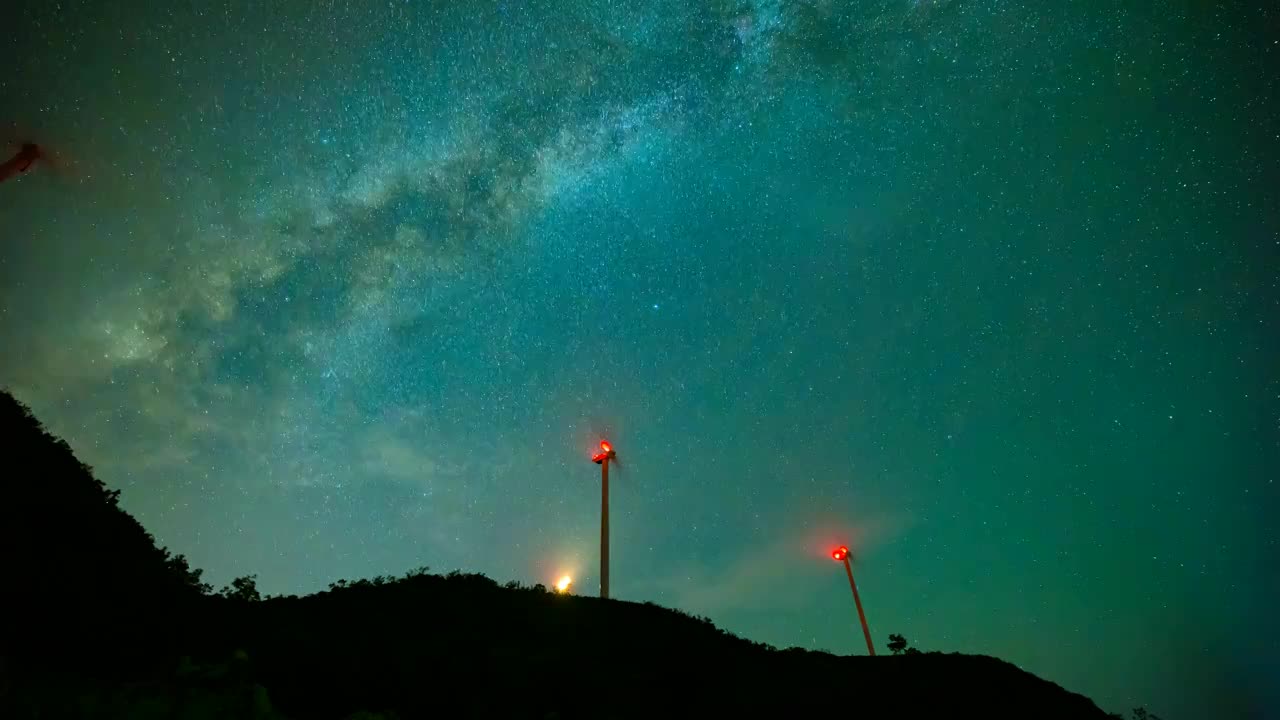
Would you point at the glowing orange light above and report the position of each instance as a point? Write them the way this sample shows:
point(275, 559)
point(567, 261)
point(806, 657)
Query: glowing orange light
point(606, 452)
point(840, 553)
point(562, 585)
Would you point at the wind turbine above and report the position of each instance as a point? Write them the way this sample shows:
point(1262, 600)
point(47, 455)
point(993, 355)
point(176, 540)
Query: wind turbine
point(842, 554)
point(602, 459)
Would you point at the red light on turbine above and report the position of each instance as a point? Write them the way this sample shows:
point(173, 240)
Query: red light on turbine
point(598, 458)
point(605, 447)
point(840, 553)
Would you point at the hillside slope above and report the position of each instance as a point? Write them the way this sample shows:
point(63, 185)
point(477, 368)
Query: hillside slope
point(426, 642)
point(72, 554)
point(105, 624)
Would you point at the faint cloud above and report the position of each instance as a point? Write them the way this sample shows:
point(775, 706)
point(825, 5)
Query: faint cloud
point(776, 574)
point(385, 452)
point(783, 572)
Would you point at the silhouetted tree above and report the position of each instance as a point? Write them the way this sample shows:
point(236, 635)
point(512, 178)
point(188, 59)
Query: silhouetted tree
point(1138, 714)
point(243, 588)
point(186, 575)
point(897, 644)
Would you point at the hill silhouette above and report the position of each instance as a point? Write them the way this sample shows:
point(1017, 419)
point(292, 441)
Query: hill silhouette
point(101, 623)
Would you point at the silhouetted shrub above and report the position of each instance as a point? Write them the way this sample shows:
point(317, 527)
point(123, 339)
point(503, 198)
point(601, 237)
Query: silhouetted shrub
point(897, 644)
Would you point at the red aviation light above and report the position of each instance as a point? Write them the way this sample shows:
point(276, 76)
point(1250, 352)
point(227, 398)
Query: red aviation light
point(606, 452)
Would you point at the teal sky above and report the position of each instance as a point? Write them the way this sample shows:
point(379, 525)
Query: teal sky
point(987, 291)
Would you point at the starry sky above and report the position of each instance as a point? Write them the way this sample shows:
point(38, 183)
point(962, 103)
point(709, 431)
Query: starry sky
point(986, 290)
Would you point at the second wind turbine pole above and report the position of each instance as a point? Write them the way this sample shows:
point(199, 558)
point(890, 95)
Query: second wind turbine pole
point(602, 459)
point(841, 554)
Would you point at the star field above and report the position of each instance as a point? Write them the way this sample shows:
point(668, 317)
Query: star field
point(986, 291)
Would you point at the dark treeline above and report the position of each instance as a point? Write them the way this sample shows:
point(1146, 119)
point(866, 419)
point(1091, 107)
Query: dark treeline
point(101, 623)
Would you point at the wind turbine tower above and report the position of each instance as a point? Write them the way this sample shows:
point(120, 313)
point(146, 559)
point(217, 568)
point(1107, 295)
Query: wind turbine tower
point(841, 554)
point(602, 459)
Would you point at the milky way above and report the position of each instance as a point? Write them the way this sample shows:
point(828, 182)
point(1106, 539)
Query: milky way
point(986, 291)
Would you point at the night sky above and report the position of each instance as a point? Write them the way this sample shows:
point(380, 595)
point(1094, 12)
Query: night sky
point(987, 291)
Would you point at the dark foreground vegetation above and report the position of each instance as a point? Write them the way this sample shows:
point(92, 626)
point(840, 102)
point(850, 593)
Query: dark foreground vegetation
point(100, 623)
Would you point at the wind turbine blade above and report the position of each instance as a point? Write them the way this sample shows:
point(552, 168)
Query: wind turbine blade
point(53, 160)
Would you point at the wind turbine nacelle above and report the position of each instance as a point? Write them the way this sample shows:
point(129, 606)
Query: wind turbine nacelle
point(606, 452)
